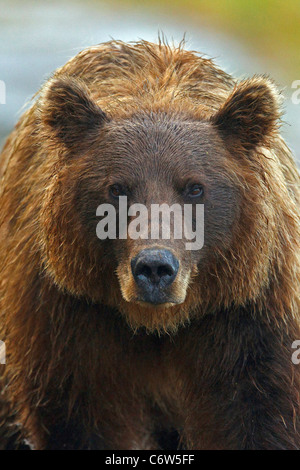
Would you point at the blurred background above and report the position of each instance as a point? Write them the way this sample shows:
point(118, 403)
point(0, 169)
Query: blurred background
point(245, 37)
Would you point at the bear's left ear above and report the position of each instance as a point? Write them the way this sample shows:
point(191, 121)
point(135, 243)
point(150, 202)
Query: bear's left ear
point(250, 114)
point(67, 111)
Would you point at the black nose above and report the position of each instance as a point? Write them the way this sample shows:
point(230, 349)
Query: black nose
point(153, 270)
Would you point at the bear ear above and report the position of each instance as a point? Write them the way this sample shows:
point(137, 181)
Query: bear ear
point(251, 113)
point(66, 108)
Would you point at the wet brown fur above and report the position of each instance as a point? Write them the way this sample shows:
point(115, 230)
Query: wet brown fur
point(88, 368)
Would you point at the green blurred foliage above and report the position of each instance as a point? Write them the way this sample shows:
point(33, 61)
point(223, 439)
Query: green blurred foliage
point(270, 27)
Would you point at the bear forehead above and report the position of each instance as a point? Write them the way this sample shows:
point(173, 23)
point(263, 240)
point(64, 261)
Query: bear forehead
point(180, 143)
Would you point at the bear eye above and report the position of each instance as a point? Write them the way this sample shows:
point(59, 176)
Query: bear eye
point(116, 191)
point(195, 191)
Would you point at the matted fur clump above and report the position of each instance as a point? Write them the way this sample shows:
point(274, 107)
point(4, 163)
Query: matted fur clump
point(101, 355)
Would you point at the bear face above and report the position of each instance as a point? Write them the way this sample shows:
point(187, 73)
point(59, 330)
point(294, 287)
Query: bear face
point(150, 158)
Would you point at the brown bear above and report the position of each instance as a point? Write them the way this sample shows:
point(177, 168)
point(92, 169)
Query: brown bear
point(139, 343)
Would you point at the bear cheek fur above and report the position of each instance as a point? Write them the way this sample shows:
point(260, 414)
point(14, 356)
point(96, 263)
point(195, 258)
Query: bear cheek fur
point(73, 256)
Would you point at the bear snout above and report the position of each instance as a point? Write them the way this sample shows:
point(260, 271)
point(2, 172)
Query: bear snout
point(154, 270)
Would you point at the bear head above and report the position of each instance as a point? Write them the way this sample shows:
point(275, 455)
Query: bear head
point(114, 172)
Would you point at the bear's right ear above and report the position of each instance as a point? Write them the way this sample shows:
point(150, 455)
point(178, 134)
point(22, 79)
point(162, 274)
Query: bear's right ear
point(66, 109)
